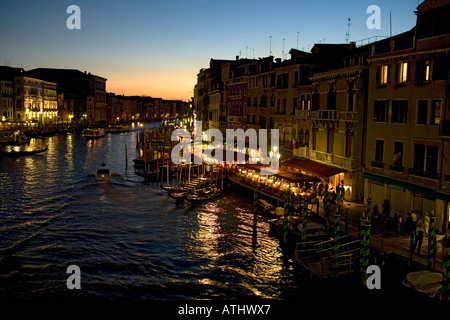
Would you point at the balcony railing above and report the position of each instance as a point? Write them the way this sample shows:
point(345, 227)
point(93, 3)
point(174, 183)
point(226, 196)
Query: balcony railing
point(376, 164)
point(423, 173)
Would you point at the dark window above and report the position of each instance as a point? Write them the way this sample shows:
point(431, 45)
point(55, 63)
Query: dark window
point(440, 68)
point(272, 80)
point(285, 80)
point(398, 154)
point(330, 135)
point(379, 150)
point(399, 111)
point(351, 97)
point(306, 139)
point(419, 157)
point(348, 143)
point(422, 111)
point(314, 139)
point(432, 161)
point(331, 99)
point(316, 100)
point(423, 69)
point(381, 110)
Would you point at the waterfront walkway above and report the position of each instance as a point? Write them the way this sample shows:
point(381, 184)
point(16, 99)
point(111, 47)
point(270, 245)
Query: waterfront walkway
point(385, 240)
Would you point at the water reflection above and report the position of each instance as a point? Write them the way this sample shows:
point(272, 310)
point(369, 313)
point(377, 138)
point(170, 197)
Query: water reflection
point(129, 238)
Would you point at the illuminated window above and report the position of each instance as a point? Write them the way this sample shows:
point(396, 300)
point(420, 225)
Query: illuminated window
point(427, 70)
point(402, 72)
point(383, 74)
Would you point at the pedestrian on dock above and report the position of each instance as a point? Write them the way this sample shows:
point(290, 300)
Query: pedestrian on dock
point(408, 223)
point(387, 210)
point(414, 220)
point(376, 215)
point(446, 245)
point(397, 224)
point(420, 232)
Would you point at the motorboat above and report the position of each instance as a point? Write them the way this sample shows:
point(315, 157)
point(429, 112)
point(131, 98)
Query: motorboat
point(116, 128)
point(103, 173)
point(94, 133)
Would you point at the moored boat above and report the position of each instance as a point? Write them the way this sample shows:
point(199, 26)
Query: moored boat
point(204, 194)
point(22, 152)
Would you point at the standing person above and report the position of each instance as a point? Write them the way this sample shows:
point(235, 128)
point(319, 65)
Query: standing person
point(396, 224)
point(426, 222)
point(321, 188)
point(409, 223)
point(420, 232)
point(376, 215)
point(414, 220)
point(387, 209)
point(446, 246)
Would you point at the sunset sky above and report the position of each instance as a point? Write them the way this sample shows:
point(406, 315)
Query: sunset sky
point(156, 48)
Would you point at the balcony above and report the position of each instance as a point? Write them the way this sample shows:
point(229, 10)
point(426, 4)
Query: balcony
point(332, 115)
point(376, 164)
point(423, 173)
point(396, 168)
point(348, 115)
point(444, 128)
point(302, 114)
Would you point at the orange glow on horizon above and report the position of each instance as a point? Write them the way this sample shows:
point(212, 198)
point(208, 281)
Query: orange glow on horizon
point(168, 86)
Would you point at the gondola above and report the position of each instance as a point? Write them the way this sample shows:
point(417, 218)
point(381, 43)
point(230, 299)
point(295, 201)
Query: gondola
point(204, 194)
point(177, 193)
point(22, 153)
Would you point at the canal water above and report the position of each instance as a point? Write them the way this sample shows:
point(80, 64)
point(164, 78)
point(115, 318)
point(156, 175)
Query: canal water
point(129, 239)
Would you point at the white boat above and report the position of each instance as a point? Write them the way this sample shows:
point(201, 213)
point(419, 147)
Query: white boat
point(103, 173)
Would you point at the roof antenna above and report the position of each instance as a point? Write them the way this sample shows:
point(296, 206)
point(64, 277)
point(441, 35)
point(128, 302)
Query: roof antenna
point(390, 24)
point(348, 29)
point(270, 46)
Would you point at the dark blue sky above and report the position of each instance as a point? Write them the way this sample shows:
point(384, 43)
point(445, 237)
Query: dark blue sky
point(156, 48)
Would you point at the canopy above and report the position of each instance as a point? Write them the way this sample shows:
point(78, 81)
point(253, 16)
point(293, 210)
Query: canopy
point(313, 168)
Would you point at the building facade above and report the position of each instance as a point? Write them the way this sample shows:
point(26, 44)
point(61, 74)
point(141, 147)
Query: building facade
point(407, 148)
point(35, 100)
